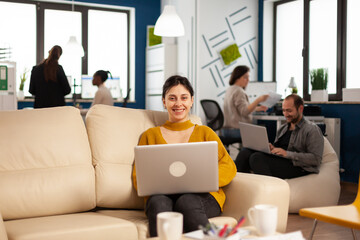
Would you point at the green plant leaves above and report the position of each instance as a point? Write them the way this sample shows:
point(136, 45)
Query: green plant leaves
point(319, 78)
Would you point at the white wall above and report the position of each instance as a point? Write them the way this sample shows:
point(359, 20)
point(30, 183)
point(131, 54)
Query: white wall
point(210, 26)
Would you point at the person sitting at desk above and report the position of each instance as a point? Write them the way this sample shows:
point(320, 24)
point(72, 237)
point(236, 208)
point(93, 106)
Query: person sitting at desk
point(103, 94)
point(299, 146)
point(178, 98)
point(236, 102)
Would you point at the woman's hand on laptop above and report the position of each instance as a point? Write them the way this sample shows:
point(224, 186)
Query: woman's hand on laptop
point(278, 151)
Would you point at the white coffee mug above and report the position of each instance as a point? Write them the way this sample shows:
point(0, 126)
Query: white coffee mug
point(169, 225)
point(264, 218)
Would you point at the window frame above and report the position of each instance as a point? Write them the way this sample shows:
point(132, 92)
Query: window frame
point(41, 6)
point(340, 51)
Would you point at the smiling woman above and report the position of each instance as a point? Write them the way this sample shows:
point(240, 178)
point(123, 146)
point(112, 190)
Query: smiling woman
point(178, 98)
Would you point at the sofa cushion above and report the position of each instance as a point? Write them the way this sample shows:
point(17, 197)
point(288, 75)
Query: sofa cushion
point(137, 217)
point(113, 133)
point(317, 190)
point(3, 235)
point(86, 226)
point(45, 163)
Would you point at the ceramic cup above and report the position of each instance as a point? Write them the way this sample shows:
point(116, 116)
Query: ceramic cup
point(169, 225)
point(264, 218)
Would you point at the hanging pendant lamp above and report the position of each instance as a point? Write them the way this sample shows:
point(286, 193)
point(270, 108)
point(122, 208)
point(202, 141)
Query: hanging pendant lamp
point(169, 23)
point(74, 47)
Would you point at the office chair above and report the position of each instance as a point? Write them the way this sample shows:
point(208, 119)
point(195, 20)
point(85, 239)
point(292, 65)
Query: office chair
point(215, 120)
point(346, 215)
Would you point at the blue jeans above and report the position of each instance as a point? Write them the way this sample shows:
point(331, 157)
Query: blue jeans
point(195, 207)
point(230, 132)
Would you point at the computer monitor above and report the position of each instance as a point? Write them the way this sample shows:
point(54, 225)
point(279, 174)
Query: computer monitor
point(88, 90)
point(113, 84)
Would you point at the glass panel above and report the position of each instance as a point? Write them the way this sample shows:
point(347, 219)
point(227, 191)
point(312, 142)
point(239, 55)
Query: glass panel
point(289, 45)
point(323, 45)
point(108, 45)
point(19, 33)
point(353, 44)
point(59, 26)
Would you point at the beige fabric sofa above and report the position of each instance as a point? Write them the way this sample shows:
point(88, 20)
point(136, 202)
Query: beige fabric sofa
point(62, 180)
point(317, 190)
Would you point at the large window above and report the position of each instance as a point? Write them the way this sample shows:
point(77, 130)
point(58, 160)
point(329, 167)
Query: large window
point(323, 45)
point(312, 34)
point(108, 44)
point(353, 44)
point(289, 44)
point(57, 33)
point(33, 27)
point(18, 35)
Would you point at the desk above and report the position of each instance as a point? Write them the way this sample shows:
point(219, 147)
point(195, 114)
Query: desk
point(281, 119)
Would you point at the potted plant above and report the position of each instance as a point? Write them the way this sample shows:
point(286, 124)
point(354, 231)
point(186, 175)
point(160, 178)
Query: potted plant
point(319, 81)
point(23, 78)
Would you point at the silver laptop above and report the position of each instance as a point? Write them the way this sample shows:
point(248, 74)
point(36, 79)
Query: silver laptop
point(177, 168)
point(254, 137)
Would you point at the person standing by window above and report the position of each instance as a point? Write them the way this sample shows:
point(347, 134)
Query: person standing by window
point(103, 94)
point(236, 102)
point(48, 82)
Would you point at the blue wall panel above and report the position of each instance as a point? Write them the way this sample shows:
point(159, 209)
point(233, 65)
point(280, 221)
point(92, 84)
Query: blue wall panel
point(350, 137)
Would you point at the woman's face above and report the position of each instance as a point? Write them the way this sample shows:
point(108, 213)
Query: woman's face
point(96, 81)
point(178, 103)
point(243, 80)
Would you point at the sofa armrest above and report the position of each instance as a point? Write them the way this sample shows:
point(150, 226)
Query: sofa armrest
point(3, 235)
point(247, 190)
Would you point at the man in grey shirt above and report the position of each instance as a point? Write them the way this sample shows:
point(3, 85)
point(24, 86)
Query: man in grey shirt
point(298, 146)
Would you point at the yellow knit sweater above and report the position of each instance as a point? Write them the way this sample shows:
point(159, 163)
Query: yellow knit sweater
point(227, 168)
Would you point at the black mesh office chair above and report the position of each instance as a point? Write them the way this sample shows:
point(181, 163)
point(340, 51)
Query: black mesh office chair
point(215, 120)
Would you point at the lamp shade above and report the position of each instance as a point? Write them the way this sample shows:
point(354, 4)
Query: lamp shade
point(73, 47)
point(169, 23)
point(292, 83)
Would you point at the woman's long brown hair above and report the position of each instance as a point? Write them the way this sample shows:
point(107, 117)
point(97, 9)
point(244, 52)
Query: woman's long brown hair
point(51, 63)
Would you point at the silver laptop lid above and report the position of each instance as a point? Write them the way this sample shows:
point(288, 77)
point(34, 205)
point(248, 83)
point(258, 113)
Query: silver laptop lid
point(254, 137)
point(177, 168)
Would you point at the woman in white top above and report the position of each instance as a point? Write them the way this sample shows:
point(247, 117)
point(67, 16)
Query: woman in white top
point(103, 94)
point(236, 102)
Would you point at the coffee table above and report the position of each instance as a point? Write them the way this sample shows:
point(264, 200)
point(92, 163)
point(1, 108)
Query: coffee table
point(251, 228)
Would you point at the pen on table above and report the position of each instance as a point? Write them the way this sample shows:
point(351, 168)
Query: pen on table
point(241, 222)
point(222, 231)
point(211, 230)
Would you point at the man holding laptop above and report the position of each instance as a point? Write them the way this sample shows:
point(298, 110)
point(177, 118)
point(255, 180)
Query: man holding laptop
point(297, 150)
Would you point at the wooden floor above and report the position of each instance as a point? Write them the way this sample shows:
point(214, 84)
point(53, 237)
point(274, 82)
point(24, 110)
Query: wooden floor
point(325, 231)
